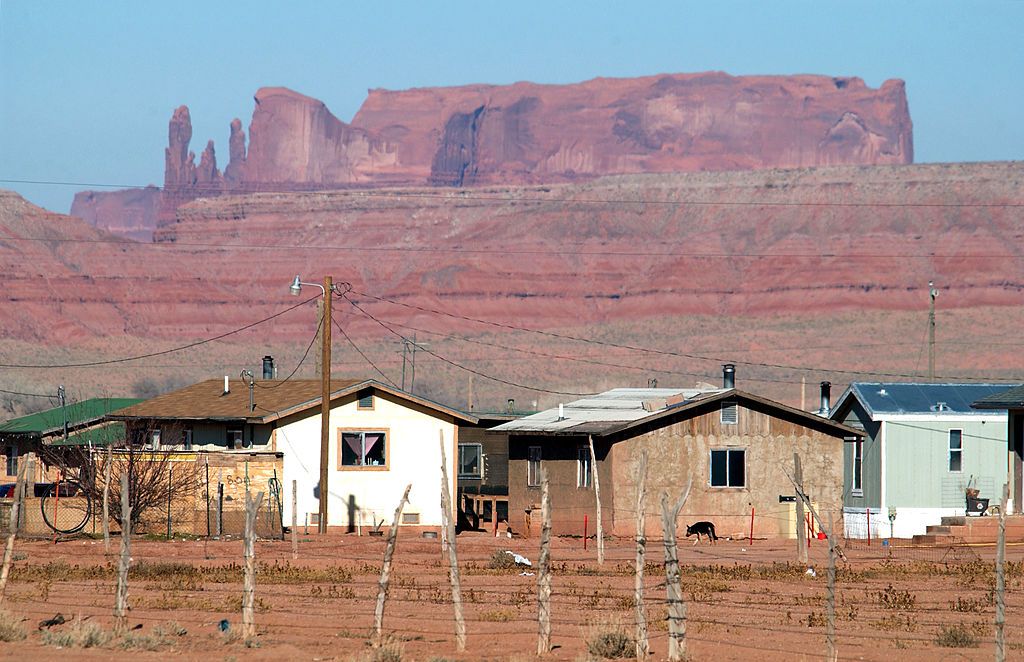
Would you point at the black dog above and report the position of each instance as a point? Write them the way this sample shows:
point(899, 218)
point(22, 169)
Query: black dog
point(699, 528)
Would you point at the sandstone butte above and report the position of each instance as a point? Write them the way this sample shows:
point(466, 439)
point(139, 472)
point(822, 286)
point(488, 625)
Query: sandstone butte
point(728, 244)
point(525, 133)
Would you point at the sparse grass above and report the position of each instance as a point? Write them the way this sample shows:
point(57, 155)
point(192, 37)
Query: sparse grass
point(608, 640)
point(10, 627)
point(968, 605)
point(497, 615)
point(81, 634)
point(956, 636)
point(816, 620)
point(390, 649)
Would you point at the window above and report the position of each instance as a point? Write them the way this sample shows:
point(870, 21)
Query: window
point(186, 439)
point(729, 416)
point(363, 448)
point(727, 468)
point(956, 450)
point(471, 463)
point(583, 467)
point(365, 401)
point(12, 460)
point(533, 466)
point(153, 443)
point(858, 466)
point(234, 439)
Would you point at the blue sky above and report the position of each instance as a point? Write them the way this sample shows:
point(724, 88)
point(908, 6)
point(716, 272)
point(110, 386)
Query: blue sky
point(86, 89)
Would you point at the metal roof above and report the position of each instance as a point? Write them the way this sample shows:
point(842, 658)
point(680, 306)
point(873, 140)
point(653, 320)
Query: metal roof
point(1011, 397)
point(50, 421)
point(595, 414)
point(894, 398)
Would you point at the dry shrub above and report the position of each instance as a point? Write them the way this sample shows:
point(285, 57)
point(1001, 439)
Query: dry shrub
point(893, 598)
point(956, 636)
point(390, 649)
point(10, 627)
point(609, 640)
point(81, 634)
point(497, 616)
point(502, 560)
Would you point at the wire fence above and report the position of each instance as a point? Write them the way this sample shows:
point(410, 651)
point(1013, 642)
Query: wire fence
point(744, 597)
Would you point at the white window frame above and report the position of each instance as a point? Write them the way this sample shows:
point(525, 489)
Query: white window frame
point(153, 444)
point(858, 467)
point(959, 451)
point(234, 438)
point(728, 452)
point(533, 460)
point(362, 432)
point(479, 474)
point(584, 468)
point(732, 408)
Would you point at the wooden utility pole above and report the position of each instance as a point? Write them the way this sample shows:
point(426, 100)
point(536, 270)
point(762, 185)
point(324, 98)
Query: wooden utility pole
point(673, 585)
point(295, 519)
point(1001, 578)
point(19, 496)
point(121, 597)
point(597, 499)
point(801, 525)
point(544, 569)
point(385, 571)
point(453, 560)
point(107, 468)
point(249, 579)
point(320, 340)
point(325, 404)
point(642, 647)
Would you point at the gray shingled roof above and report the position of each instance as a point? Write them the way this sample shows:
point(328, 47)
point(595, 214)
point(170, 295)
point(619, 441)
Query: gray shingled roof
point(1011, 397)
point(889, 398)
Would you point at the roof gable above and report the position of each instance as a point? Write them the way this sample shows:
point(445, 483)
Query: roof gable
point(272, 400)
point(881, 399)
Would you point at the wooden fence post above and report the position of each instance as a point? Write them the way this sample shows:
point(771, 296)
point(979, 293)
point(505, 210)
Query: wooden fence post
point(801, 530)
point(642, 646)
point(220, 509)
point(19, 496)
point(597, 498)
point(385, 571)
point(107, 468)
point(673, 585)
point(1001, 578)
point(453, 560)
point(830, 598)
point(121, 598)
point(249, 580)
point(295, 519)
point(170, 491)
point(544, 569)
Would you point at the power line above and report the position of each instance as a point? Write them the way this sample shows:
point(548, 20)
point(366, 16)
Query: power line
point(457, 365)
point(648, 350)
point(29, 395)
point(301, 361)
point(89, 364)
point(365, 357)
point(468, 194)
point(172, 245)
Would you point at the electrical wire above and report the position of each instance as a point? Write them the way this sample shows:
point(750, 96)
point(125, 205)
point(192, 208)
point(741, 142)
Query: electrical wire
point(298, 365)
point(660, 352)
point(89, 364)
point(362, 354)
point(29, 395)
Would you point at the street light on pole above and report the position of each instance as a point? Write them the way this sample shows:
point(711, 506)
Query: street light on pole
point(325, 392)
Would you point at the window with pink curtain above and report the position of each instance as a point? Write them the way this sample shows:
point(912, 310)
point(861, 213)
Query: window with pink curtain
point(363, 449)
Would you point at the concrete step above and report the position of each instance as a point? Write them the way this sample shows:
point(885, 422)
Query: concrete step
point(954, 520)
point(938, 528)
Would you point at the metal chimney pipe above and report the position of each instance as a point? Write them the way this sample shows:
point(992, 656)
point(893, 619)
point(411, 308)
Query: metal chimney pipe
point(561, 412)
point(268, 367)
point(728, 375)
point(227, 387)
point(826, 399)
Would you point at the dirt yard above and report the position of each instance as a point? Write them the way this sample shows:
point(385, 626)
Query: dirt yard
point(744, 601)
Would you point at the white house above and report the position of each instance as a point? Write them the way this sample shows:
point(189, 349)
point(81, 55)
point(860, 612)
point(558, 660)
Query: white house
point(381, 439)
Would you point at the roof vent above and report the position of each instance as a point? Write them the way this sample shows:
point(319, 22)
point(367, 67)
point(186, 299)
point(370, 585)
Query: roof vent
point(882, 392)
point(561, 412)
point(940, 406)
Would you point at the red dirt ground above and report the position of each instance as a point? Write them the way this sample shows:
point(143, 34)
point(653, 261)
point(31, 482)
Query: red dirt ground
point(744, 600)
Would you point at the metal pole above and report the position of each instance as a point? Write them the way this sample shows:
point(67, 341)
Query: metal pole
point(1001, 578)
point(170, 474)
point(932, 293)
point(801, 531)
point(325, 405)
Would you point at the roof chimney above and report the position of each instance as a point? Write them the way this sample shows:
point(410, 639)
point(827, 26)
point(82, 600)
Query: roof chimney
point(561, 412)
point(268, 367)
point(826, 396)
point(728, 376)
point(227, 387)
